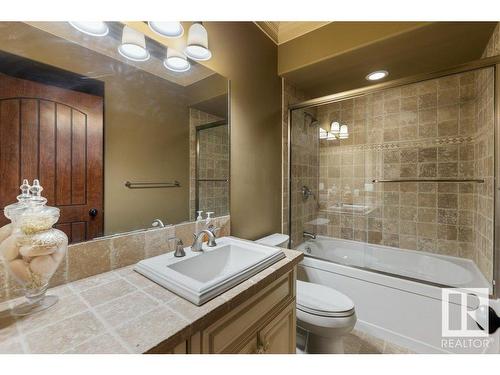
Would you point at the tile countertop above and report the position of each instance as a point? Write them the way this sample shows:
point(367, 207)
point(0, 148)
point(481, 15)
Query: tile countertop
point(122, 312)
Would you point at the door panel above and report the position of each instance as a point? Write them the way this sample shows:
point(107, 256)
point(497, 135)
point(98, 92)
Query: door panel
point(249, 347)
point(55, 135)
point(279, 336)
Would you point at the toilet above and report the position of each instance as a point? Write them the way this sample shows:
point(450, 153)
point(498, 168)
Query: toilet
point(276, 239)
point(324, 313)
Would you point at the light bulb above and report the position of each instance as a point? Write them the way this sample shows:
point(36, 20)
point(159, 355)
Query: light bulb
point(323, 134)
point(133, 45)
point(96, 28)
point(167, 29)
point(197, 43)
point(335, 128)
point(176, 61)
point(344, 133)
point(379, 74)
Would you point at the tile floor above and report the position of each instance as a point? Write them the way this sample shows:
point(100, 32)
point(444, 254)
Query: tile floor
point(358, 342)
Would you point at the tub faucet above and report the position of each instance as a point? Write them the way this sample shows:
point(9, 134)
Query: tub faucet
point(198, 240)
point(309, 235)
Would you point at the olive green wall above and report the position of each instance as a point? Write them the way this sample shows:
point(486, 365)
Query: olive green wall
point(248, 58)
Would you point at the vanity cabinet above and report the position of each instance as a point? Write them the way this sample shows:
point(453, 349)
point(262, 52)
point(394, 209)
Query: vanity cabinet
point(276, 337)
point(265, 323)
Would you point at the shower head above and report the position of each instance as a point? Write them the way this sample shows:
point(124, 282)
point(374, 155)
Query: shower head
point(314, 120)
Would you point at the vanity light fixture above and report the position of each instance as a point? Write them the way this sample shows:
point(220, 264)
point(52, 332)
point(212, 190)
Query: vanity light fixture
point(337, 131)
point(344, 133)
point(133, 46)
point(376, 75)
point(167, 29)
point(323, 134)
point(176, 61)
point(335, 128)
point(93, 28)
point(197, 43)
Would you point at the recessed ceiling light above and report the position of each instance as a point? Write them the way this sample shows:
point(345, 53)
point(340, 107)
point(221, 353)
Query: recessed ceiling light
point(133, 45)
point(197, 43)
point(378, 74)
point(176, 61)
point(91, 28)
point(168, 29)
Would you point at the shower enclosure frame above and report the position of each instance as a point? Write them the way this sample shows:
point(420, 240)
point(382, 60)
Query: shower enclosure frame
point(490, 62)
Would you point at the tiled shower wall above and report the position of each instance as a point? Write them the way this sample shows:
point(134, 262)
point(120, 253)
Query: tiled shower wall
point(484, 166)
point(198, 118)
point(213, 163)
point(304, 172)
point(434, 129)
point(418, 131)
point(484, 157)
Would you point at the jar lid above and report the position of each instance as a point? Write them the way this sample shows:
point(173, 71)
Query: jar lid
point(32, 205)
point(14, 209)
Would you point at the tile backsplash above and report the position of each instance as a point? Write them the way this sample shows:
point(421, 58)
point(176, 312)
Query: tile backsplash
point(101, 255)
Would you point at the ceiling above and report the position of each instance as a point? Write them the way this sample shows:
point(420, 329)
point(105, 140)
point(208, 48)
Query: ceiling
point(284, 31)
point(429, 48)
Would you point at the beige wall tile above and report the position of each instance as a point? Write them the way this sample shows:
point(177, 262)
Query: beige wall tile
point(127, 249)
point(88, 258)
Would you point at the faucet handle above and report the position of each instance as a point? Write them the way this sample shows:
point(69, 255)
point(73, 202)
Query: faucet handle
point(179, 248)
point(215, 230)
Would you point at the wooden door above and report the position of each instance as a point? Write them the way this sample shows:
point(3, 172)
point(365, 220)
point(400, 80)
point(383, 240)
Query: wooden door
point(55, 135)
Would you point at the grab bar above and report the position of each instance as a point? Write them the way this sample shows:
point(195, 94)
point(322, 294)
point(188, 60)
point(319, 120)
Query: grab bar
point(212, 180)
point(151, 185)
point(478, 180)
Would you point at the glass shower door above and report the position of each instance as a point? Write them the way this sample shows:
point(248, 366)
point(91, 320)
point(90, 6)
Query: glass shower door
point(212, 169)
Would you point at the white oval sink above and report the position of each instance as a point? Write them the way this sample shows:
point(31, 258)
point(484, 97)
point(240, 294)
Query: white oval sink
point(201, 276)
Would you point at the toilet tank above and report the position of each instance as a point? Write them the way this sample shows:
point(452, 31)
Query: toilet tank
point(276, 239)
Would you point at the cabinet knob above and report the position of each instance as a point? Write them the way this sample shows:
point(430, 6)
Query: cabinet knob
point(262, 347)
point(93, 212)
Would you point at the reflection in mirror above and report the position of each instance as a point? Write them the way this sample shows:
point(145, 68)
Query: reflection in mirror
point(112, 140)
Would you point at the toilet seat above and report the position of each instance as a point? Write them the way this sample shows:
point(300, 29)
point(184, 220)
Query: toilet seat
point(323, 301)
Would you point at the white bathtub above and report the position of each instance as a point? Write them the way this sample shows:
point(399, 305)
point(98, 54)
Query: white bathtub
point(397, 293)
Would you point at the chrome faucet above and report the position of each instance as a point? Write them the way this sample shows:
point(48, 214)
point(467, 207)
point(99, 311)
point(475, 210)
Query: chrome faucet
point(157, 223)
point(309, 235)
point(198, 240)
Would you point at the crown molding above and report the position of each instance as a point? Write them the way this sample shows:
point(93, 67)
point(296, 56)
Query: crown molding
point(283, 31)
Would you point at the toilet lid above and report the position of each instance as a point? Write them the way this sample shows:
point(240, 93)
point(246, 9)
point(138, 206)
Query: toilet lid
point(321, 300)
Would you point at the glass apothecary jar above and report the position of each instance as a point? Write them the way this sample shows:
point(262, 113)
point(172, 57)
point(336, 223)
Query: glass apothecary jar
point(31, 248)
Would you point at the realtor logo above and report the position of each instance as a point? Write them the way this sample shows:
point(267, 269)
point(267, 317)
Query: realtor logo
point(460, 312)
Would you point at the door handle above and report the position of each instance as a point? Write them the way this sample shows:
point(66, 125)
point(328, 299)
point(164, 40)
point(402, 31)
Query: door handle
point(93, 212)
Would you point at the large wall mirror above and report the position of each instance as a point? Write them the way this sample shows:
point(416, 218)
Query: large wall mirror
point(118, 144)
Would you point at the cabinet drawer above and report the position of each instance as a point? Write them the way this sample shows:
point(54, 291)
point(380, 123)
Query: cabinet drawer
point(238, 325)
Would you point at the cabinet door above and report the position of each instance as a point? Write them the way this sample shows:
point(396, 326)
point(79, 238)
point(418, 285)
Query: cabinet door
point(250, 347)
point(181, 348)
point(279, 335)
point(225, 335)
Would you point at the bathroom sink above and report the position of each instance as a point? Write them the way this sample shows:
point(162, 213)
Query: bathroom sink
point(201, 276)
